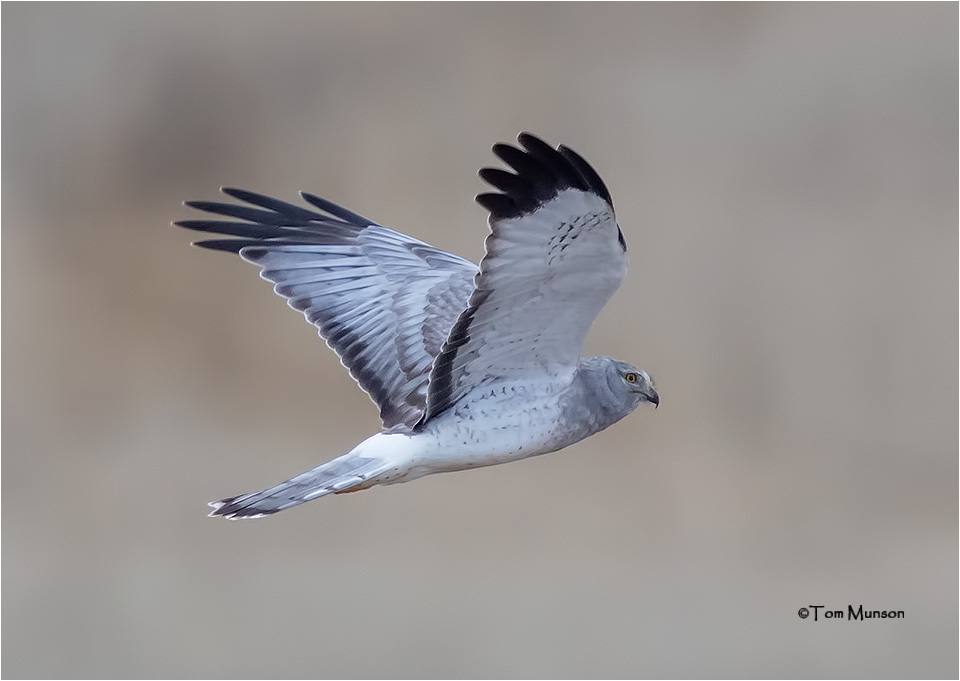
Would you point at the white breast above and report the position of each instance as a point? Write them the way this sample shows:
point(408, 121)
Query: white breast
point(492, 425)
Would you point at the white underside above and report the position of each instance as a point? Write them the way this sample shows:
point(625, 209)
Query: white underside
point(487, 428)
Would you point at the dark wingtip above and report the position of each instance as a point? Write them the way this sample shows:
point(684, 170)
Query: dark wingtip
point(226, 245)
point(498, 205)
point(540, 173)
point(528, 139)
point(590, 176)
point(337, 211)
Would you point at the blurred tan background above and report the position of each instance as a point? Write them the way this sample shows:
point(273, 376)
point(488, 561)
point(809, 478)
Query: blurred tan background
point(786, 177)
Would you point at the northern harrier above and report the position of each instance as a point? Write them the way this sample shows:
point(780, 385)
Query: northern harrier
point(470, 366)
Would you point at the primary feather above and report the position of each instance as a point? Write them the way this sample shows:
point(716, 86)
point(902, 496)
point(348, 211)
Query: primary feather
point(383, 301)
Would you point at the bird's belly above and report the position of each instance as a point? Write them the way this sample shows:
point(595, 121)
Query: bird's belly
point(491, 427)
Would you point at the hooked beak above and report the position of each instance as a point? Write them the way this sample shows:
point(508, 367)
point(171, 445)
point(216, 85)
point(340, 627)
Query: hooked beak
point(650, 395)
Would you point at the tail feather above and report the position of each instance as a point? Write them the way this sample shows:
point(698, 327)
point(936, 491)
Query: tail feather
point(343, 474)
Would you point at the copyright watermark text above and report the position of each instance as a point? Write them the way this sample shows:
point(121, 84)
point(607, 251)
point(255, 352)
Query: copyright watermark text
point(852, 614)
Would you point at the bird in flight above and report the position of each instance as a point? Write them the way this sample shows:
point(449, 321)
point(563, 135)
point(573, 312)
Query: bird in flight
point(470, 366)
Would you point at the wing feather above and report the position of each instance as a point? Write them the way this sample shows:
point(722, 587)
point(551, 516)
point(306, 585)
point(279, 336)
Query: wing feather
point(383, 301)
point(554, 257)
point(419, 328)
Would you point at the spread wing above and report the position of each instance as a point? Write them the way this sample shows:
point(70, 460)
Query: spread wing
point(384, 301)
point(554, 257)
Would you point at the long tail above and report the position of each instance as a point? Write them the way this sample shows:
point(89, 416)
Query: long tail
point(347, 473)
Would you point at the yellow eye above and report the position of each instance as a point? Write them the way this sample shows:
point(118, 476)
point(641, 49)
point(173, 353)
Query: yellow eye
point(630, 378)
